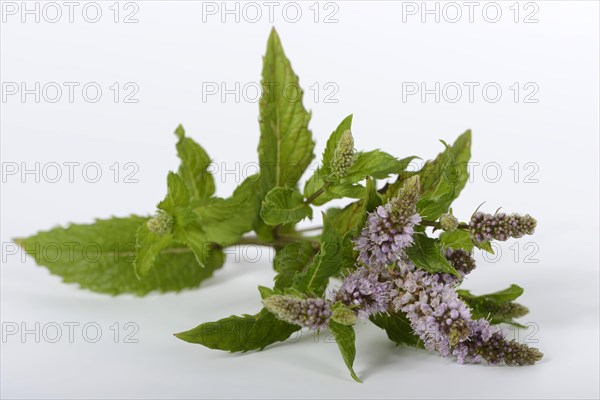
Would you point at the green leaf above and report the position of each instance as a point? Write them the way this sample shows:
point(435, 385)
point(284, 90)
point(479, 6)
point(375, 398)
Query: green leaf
point(177, 199)
point(186, 227)
point(194, 166)
point(327, 263)
point(501, 297)
point(376, 164)
point(426, 253)
point(194, 237)
point(457, 239)
point(494, 306)
point(290, 260)
point(486, 246)
point(443, 178)
point(148, 248)
point(265, 292)
point(245, 333)
point(286, 144)
point(345, 338)
point(284, 205)
point(338, 191)
point(398, 329)
point(372, 198)
point(100, 257)
point(226, 220)
point(347, 219)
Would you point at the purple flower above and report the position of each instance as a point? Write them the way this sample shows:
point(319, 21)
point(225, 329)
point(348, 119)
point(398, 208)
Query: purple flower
point(310, 313)
point(437, 315)
point(363, 291)
point(462, 261)
point(486, 227)
point(443, 321)
point(389, 229)
point(488, 343)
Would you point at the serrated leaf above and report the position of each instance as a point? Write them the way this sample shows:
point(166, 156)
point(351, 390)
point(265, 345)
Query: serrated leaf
point(194, 237)
point(290, 260)
point(345, 337)
point(245, 333)
point(194, 167)
point(100, 256)
point(376, 164)
point(178, 194)
point(284, 205)
point(327, 263)
point(286, 144)
point(426, 253)
point(186, 227)
point(226, 220)
point(148, 248)
point(443, 178)
point(398, 329)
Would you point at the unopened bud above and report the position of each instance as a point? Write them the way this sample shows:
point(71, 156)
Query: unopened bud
point(448, 222)
point(343, 156)
point(161, 223)
point(310, 313)
point(343, 315)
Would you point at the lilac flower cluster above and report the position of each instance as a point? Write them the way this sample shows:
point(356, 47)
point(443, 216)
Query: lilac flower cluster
point(365, 292)
point(443, 321)
point(461, 260)
point(489, 343)
point(501, 226)
point(435, 311)
point(389, 229)
point(309, 313)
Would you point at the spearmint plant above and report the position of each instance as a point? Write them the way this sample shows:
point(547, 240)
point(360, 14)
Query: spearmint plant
point(394, 272)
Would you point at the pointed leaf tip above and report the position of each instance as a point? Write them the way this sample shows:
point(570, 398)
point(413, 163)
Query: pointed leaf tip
point(180, 132)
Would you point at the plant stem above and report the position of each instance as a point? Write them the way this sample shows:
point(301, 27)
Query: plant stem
point(436, 225)
point(316, 194)
point(281, 240)
point(309, 229)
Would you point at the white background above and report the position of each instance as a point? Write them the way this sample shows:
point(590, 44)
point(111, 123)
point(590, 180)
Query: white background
point(367, 54)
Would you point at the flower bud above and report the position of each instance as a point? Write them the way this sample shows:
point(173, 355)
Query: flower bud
point(310, 313)
point(448, 222)
point(485, 227)
point(461, 260)
point(343, 156)
point(390, 227)
point(161, 223)
point(343, 315)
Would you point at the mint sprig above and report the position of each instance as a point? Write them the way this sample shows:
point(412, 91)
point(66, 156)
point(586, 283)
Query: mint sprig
point(181, 243)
